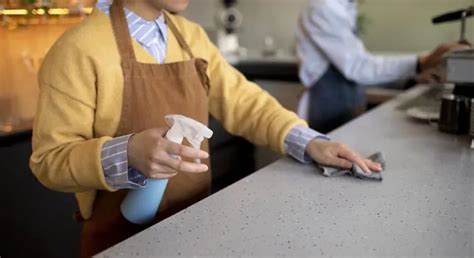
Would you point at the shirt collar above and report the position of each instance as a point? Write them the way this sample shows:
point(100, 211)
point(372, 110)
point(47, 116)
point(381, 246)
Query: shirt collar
point(136, 22)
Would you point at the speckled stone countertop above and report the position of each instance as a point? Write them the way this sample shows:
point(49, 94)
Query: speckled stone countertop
point(424, 206)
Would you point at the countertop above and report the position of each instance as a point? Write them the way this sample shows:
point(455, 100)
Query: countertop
point(423, 207)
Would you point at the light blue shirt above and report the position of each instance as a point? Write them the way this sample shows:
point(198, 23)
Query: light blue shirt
point(326, 35)
point(152, 35)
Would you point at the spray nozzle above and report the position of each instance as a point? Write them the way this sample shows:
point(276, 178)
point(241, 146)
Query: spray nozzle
point(185, 127)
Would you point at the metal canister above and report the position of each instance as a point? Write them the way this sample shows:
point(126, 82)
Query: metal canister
point(455, 114)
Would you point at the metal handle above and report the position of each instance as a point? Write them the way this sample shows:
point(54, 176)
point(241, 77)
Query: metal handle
point(463, 26)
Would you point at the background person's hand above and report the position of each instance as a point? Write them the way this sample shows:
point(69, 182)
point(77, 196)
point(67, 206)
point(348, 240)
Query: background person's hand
point(335, 154)
point(429, 76)
point(153, 155)
point(434, 58)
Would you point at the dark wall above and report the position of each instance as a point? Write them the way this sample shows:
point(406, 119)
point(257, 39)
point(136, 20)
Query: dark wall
point(34, 221)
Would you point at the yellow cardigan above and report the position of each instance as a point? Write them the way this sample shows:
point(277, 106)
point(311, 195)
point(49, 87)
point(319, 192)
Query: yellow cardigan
point(80, 103)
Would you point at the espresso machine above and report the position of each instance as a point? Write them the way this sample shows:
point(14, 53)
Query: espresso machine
point(459, 65)
point(457, 110)
point(228, 19)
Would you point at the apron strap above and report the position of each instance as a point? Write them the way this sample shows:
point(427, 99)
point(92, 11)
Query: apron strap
point(121, 31)
point(178, 36)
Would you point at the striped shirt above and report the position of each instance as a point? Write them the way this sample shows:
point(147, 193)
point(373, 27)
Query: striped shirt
point(152, 36)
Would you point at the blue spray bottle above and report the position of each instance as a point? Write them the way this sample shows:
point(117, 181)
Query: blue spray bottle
point(141, 205)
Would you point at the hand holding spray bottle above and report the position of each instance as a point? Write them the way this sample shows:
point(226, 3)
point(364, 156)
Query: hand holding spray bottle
point(140, 205)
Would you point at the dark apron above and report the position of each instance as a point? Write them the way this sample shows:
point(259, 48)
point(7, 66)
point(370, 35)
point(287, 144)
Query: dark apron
point(334, 100)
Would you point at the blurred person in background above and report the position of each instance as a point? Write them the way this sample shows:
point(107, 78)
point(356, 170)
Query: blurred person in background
point(334, 64)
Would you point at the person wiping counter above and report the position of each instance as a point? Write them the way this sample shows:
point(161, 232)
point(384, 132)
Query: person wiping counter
point(105, 88)
point(335, 66)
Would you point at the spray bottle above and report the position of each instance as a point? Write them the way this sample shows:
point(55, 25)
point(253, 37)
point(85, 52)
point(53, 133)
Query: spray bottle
point(140, 205)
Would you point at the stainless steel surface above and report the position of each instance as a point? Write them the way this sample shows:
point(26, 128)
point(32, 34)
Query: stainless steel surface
point(424, 206)
point(460, 67)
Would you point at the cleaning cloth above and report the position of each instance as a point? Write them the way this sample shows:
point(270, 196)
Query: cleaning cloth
point(356, 171)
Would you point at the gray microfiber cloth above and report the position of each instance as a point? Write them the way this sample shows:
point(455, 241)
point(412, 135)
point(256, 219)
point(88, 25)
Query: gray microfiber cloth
point(356, 171)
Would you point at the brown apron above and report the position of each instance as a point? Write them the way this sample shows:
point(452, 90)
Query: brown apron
point(151, 91)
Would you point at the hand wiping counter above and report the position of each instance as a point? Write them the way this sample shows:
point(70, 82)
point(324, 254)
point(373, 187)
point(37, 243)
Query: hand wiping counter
point(356, 171)
point(141, 205)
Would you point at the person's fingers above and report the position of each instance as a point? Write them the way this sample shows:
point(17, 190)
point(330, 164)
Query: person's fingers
point(428, 79)
point(435, 77)
point(429, 76)
point(339, 162)
point(451, 46)
point(163, 176)
point(465, 42)
point(181, 165)
point(159, 171)
point(185, 151)
point(460, 46)
point(157, 168)
point(352, 156)
point(162, 130)
point(373, 166)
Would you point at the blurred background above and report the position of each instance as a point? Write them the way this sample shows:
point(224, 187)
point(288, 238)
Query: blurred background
point(389, 26)
point(35, 222)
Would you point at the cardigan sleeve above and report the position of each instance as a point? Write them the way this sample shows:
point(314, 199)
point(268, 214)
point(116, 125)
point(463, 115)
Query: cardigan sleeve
point(66, 154)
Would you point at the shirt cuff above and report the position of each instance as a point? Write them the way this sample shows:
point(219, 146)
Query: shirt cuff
point(297, 140)
point(114, 159)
